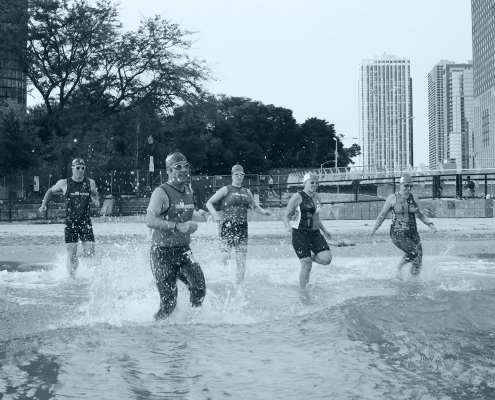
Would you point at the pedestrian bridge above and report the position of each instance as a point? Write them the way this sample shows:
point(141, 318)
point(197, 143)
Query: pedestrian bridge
point(332, 176)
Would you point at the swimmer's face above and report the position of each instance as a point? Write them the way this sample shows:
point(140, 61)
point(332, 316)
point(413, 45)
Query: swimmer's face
point(311, 185)
point(78, 171)
point(407, 187)
point(237, 177)
point(179, 172)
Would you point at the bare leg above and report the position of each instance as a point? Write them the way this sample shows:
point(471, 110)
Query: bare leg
point(402, 262)
point(72, 260)
point(240, 256)
point(323, 257)
point(224, 259)
point(88, 249)
point(306, 265)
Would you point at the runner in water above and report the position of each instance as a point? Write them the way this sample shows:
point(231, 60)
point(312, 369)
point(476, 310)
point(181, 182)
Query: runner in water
point(233, 227)
point(171, 214)
point(306, 235)
point(78, 192)
point(403, 230)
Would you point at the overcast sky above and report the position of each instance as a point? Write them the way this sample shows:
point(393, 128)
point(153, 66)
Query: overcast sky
point(304, 54)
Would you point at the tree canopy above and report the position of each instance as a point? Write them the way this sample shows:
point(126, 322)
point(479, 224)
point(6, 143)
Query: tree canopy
point(105, 91)
point(86, 67)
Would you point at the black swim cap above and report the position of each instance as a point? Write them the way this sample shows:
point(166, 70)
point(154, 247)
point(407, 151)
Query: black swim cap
point(174, 158)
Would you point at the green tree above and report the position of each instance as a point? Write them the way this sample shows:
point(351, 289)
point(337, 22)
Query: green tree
point(19, 144)
point(87, 68)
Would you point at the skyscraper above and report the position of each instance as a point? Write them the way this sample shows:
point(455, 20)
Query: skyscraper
point(385, 113)
point(450, 114)
point(13, 83)
point(483, 27)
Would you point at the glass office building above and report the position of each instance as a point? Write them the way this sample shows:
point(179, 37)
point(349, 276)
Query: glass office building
point(450, 114)
point(483, 29)
point(13, 82)
point(385, 113)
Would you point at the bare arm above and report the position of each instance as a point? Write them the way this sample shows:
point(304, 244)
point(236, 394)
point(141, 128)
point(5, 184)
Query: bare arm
point(422, 216)
point(158, 201)
point(321, 227)
point(94, 192)
point(198, 216)
point(218, 196)
point(294, 201)
point(256, 207)
point(60, 186)
point(383, 214)
point(324, 230)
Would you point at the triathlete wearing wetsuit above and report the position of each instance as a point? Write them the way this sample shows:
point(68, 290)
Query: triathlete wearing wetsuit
point(78, 222)
point(404, 231)
point(171, 256)
point(234, 225)
point(306, 235)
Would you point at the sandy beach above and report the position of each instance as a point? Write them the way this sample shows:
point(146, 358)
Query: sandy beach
point(21, 242)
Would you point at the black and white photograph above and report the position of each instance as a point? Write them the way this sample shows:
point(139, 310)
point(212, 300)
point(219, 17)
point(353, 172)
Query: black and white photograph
point(247, 199)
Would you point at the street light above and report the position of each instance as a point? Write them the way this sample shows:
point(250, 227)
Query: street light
point(152, 165)
point(335, 138)
point(321, 166)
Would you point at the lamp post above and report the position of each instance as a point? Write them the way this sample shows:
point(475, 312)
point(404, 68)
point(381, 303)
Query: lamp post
point(321, 166)
point(336, 153)
point(152, 165)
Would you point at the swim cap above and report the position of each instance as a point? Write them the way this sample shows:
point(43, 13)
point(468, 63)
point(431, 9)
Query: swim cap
point(406, 178)
point(237, 168)
point(310, 176)
point(78, 161)
point(174, 158)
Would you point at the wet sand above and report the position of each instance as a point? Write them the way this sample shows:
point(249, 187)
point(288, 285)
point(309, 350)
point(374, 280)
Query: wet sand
point(21, 245)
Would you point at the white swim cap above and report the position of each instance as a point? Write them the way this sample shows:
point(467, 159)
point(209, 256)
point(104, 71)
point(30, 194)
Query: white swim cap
point(310, 176)
point(406, 178)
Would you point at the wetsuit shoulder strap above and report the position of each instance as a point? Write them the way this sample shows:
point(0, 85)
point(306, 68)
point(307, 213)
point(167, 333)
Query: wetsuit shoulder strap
point(230, 188)
point(67, 191)
point(163, 187)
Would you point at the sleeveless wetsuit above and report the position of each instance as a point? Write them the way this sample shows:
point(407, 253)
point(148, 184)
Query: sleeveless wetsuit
point(234, 225)
point(77, 204)
point(171, 256)
point(306, 235)
point(404, 231)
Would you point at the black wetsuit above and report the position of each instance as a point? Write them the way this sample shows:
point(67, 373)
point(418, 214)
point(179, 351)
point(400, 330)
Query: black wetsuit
point(171, 257)
point(78, 222)
point(306, 235)
point(404, 231)
point(234, 225)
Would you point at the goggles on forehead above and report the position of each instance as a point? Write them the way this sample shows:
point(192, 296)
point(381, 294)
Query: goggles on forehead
point(180, 166)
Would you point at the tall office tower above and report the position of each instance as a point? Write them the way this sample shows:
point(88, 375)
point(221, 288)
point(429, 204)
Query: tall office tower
point(385, 113)
point(13, 82)
point(450, 114)
point(483, 28)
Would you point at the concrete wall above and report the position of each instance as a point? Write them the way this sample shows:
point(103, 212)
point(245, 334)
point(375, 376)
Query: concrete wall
point(434, 208)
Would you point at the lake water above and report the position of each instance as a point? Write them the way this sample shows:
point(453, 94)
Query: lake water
point(356, 333)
